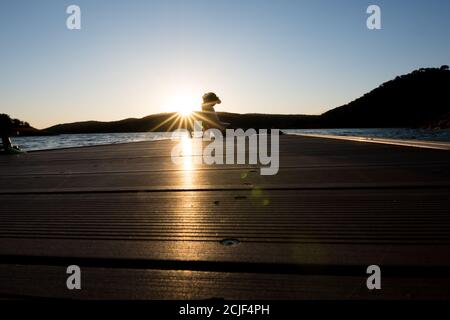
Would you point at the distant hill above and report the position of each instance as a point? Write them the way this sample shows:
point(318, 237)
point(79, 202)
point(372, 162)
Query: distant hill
point(163, 122)
point(420, 98)
point(127, 125)
point(16, 126)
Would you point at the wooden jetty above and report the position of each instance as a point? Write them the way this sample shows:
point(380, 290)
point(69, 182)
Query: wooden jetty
point(141, 227)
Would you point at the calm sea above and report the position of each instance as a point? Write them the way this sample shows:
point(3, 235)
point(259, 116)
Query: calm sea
point(391, 133)
point(79, 140)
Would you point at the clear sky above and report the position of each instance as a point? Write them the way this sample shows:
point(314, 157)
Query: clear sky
point(134, 58)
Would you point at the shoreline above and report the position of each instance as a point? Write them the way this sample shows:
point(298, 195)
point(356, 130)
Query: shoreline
point(425, 144)
point(40, 143)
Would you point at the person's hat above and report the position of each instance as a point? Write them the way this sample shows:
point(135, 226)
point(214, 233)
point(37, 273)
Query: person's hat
point(211, 98)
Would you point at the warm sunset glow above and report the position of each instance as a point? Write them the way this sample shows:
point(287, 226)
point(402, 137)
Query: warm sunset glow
point(187, 155)
point(184, 103)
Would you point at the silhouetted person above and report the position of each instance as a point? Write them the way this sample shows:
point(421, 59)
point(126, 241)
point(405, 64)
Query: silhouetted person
point(6, 127)
point(212, 120)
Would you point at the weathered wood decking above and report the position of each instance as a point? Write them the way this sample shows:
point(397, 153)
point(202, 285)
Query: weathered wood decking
point(141, 227)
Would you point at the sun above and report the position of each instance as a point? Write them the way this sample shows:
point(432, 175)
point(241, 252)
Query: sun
point(183, 103)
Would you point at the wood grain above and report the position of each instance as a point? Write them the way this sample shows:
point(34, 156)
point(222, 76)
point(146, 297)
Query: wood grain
point(143, 227)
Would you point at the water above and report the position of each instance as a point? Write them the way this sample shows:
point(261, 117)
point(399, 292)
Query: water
point(79, 140)
point(394, 133)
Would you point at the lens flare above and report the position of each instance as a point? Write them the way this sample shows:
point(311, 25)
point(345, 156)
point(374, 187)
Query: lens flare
point(184, 104)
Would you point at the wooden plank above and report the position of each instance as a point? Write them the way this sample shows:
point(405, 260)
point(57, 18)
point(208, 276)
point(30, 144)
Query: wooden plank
point(308, 150)
point(247, 178)
point(128, 212)
point(305, 163)
point(143, 284)
point(273, 226)
point(185, 254)
point(317, 216)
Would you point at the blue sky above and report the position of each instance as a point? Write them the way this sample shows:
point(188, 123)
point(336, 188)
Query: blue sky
point(135, 58)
